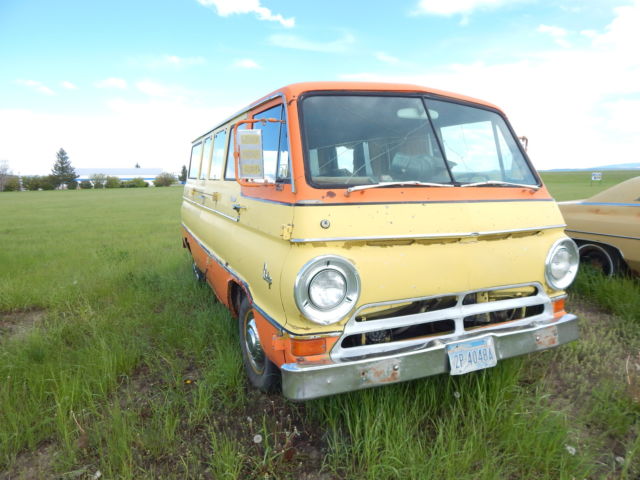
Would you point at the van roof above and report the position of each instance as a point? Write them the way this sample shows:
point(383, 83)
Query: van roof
point(296, 89)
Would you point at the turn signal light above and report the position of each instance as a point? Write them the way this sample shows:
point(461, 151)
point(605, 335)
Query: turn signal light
point(558, 307)
point(304, 348)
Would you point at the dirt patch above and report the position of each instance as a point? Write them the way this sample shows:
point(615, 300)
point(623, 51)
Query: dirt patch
point(17, 324)
point(33, 465)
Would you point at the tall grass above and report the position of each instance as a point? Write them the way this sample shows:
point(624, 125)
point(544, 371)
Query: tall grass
point(132, 369)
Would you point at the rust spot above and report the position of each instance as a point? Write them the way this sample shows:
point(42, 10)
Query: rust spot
point(547, 338)
point(385, 371)
point(331, 194)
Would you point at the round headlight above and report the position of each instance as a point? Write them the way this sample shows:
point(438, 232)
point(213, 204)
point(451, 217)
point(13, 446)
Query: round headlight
point(561, 265)
point(326, 289)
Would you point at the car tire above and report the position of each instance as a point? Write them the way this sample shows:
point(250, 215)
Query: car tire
point(263, 374)
point(198, 274)
point(604, 259)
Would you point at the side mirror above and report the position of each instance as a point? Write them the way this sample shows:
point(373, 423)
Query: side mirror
point(250, 159)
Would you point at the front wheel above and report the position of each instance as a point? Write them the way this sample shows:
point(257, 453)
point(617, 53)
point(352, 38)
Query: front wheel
point(263, 374)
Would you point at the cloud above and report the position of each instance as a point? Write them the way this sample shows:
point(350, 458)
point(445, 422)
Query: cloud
point(37, 86)
point(383, 57)
point(68, 85)
point(128, 124)
point(112, 82)
point(452, 7)
point(578, 104)
point(298, 43)
point(558, 34)
point(224, 8)
point(153, 89)
point(246, 63)
point(176, 61)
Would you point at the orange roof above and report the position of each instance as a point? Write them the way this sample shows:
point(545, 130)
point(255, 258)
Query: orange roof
point(296, 89)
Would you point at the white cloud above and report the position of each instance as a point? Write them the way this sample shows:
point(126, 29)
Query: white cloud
point(558, 34)
point(577, 105)
point(383, 57)
point(153, 89)
point(112, 82)
point(68, 85)
point(37, 86)
point(246, 63)
point(298, 43)
point(452, 7)
point(224, 8)
point(131, 130)
point(176, 61)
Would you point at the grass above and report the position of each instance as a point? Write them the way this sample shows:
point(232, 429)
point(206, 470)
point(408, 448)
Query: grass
point(573, 185)
point(114, 359)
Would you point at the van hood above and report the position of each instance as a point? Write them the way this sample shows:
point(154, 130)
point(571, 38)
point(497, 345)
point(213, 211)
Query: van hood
point(416, 221)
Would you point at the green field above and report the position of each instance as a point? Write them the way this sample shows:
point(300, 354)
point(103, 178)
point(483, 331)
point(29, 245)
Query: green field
point(113, 359)
point(578, 185)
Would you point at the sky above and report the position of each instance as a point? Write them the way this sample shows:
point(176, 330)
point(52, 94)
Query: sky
point(123, 82)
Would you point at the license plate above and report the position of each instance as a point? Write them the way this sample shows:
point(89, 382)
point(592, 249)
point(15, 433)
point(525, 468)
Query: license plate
point(465, 357)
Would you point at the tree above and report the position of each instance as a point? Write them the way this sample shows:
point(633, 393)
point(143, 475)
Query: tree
point(135, 183)
point(183, 174)
point(98, 179)
point(62, 172)
point(164, 180)
point(85, 184)
point(112, 182)
point(137, 165)
point(11, 184)
point(5, 173)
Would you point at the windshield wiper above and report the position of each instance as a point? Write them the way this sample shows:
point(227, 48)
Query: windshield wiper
point(412, 183)
point(500, 183)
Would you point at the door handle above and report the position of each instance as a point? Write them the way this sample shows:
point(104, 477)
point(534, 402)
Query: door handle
point(237, 207)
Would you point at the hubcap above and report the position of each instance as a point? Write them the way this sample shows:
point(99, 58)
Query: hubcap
point(252, 343)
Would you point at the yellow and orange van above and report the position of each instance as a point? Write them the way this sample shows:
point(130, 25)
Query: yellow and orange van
point(366, 234)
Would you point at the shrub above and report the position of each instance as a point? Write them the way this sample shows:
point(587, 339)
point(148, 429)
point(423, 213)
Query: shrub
point(11, 184)
point(37, 182)
point(85, 184)
point(137, 182)
point(164, 180)
point(112, 182)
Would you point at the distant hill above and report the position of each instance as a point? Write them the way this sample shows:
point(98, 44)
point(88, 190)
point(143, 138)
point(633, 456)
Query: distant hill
point(617, 166)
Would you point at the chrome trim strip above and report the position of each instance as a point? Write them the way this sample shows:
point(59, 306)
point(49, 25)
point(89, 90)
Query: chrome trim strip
point(612, 204)
point(426, 236)
point(603, 234)
point(234, 219)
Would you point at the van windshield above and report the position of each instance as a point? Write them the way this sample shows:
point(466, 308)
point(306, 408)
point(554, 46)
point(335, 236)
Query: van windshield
point(353, 140)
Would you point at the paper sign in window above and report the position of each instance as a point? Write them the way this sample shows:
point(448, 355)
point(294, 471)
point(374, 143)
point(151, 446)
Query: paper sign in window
point(250, 149)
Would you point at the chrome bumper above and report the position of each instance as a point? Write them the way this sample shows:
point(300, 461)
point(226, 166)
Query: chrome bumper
point(307, 381)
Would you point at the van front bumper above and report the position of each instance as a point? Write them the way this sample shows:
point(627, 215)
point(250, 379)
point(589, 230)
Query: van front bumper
point(307, 381)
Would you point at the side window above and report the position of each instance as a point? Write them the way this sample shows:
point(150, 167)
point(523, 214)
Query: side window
point(274, 144)
point(194, 163)
point(230, 172)
point(217, 161)
point(206, 155)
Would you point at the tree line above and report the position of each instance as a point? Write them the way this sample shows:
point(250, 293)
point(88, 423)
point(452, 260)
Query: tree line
point(63, 175)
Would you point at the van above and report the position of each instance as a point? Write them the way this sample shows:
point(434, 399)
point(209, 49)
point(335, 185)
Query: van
point(365, 234)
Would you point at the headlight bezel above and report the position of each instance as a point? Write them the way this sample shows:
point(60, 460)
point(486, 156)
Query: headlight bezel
point(570, 246)
point(326, 316)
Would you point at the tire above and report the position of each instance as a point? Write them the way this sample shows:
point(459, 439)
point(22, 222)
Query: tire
point(263, 374)
point(600, 257)
point(199, 274)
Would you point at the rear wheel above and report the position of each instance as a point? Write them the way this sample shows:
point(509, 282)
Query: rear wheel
point(263, 374)
point(600, 257)
point(199, 274)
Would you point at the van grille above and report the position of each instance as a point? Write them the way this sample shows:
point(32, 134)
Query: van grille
point(415, 323)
